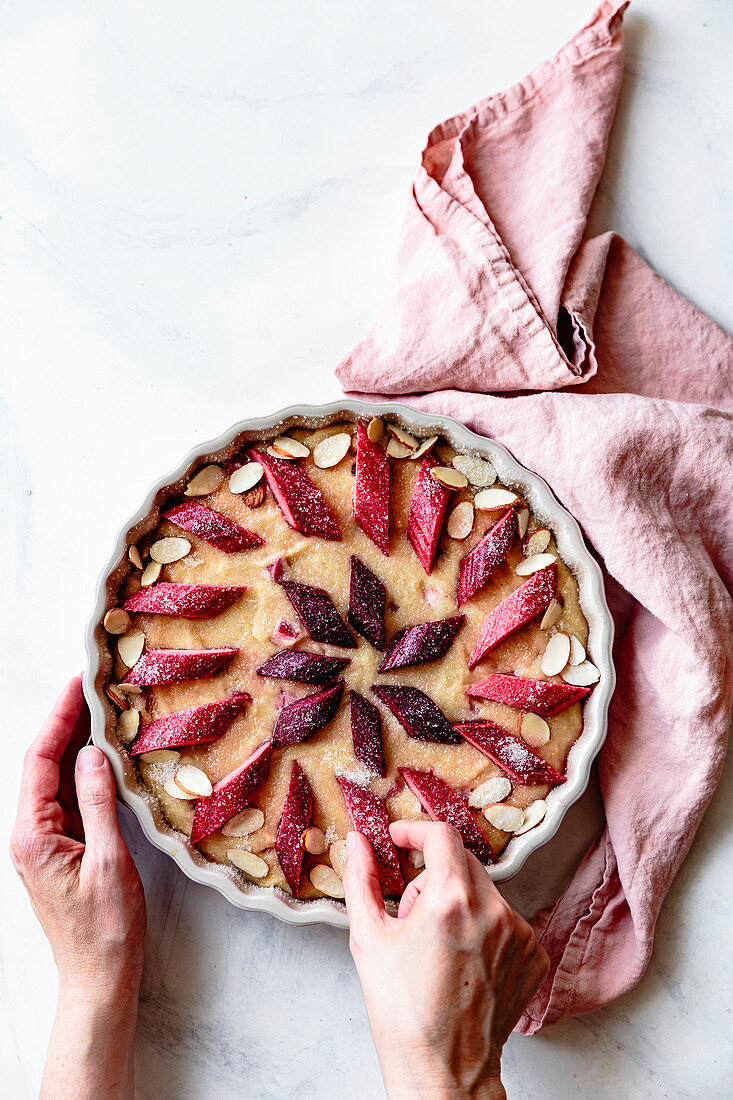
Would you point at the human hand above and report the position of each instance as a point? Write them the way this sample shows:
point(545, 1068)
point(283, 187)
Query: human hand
point(447, 979)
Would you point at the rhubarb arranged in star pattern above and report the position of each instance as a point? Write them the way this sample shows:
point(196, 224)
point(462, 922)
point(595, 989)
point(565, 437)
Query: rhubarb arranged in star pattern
point(524, 604)
point(318, 614)
point(369, 817)
point(301, 502)
point(212, 527)
point(293, 823)
point(419, 644)
point(512, 754)
point(442, 803)
point(366, 733)
point(303, 667)
point(187, 601)
point(427, 512)
point(194, 726)
point(417, 713)
point(300, 720)
point(175, 666)
point(232, 793)
point(371, 490)
point(367, 603)
point(544, 697)
point(479, 565)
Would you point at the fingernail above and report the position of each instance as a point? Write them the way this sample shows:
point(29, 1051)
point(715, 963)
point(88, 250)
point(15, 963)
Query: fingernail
point(350, 843)
point(89, 759)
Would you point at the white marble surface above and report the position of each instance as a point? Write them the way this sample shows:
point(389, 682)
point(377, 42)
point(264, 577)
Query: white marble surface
point(199, 206)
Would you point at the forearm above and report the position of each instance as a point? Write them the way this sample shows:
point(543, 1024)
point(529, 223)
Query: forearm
point(430, 1081)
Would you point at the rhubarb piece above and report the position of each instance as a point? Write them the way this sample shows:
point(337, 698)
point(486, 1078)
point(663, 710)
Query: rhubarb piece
point(479, 566)
point(212, 527)
point(367, 602)
point(366, 733)
point(174, 666)
point(416, 711)
point(293, 823)
point(427, 511)
point(285, 633)
point(189, 601)
point(369, 817)
point(194, 726)
point(538, 696)
point(416, 645)
point(301, 502)
point(524, 604)
point(371, 490)
point(300, 720)
point(442, 803)
point(511, 753)
point(318, 614)
point(302, 667)
point(232, 793)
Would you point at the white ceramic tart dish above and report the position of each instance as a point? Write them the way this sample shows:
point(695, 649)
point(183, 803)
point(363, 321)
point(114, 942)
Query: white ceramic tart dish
point(484, 693)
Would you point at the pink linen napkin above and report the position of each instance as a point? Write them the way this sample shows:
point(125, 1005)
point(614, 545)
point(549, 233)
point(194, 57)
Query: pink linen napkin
point(496, 290)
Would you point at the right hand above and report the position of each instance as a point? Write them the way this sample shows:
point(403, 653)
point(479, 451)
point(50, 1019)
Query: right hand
point(447, 979)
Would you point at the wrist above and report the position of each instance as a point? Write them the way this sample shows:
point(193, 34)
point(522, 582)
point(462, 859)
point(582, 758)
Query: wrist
point(427, 1076)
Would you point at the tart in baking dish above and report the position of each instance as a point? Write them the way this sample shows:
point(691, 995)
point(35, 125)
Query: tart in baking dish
point(332, 629)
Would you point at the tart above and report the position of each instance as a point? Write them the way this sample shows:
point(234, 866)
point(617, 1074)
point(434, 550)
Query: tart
point(329, 629)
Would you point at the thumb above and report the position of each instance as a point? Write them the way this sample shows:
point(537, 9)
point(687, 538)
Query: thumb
point(97, 797)
point(364, 900)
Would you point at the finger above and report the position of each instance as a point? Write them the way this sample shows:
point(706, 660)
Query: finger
point(66, 796)
point(440, 843)
point(40, 781)
point(364, 900)
point(410, 896)
point(97, 795)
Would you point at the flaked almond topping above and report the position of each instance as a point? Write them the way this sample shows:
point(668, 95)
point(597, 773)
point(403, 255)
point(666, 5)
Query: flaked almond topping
point(134, 555)
point(534, 813)
point(116, 621)
point(130, 689)
point(151, 572)
point(534, 730)
point(537, 542)
point(171, 787)
point(193, 781)
point(332, 450)
point(130, 646)
point(246, 477)
point(113, 692)
point(556, 654)
point(425, 446)
point(506, 818)
point(248, 862)
point(489, 793)
point(287, 447)
point(128, 724)
point(375, 429)
point(417, 859)
point(326, 881)
point(522, 521)
point(402, 436)
point(460, 521)
point(204, 482)
point(337, 855)
point(397, 450)
point(449, 478)
point(479, 471)
point(582, 675)
point(534, 564)
point(577, 651)
point(169, 550)
point(314, 841)
point(253, 498)
point(553, 613)
point(490, 499)
point(160, 756)
point(247, 821)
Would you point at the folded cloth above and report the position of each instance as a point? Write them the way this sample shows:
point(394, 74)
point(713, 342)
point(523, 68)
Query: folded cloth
point(495, 290)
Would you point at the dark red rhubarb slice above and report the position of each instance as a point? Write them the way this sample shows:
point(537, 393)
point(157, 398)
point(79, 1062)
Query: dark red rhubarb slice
point(366, 733)
point(301, 502)
point(371, 490)
point(189, 601)
point(416, 711)
point(369, 817)
point(524, 604)
point(212, 527)
point(538, 696)
point(174, 666)
point(416, 645)
point(442, 803)
point(293, 823)
point(302, 667)
point(512, 754)
point(194, 726)
point(367, 603)
point(479, 566)
point(232, 793)
point(300, 720)
point(427, 512)
point(318, 614)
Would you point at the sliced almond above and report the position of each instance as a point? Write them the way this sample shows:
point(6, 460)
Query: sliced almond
point(553, 613)
point(134, 555)
point(248, 862)
point(534, 730)
point(245, 822)
point(128, 724)
point(538, 541)
point(375, 429)
point(582, 675)
point(577, 651)
point(193, 781)
point(506, 818)
point(326, 881)
point(314, 841)
point(286, 447)
point(151, 572)
point(171, 787)
point(116, 621)
point(115, 695)
point(332, 450)
point(522, 521)
point(479, 471)
point(460, 521)
point(246, 477)
point(206, 481)
point(130, 646)
point(490, 499)
point(556, 654)
point(489, 793)
point(160, 756)
point(534, 813)
point(397, 450)
point(449, 478)
point(534, 564)
point(425, 446)
point(402, 436)
point(130, 689)
point(253, 498)
point(169, 550)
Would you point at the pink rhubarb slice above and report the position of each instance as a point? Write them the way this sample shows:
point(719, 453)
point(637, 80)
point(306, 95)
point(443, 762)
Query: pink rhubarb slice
point(188, 601)
point(512, 754)
point(232, 793)
point(367, 603)
point(302, 667)
point(417, 713)
point(427, 512)
point(300, 720)
point(212, 527)
point(416, 645)
point(371, 490)
point(293, 823)
point(479, 565)
point(543, 697)
point(369, 817)
point(366, 733)
point(442, 803)
point(194, 726)
point(318, 614)
point(524, 604)
point(301, 502)
point(174, 666)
